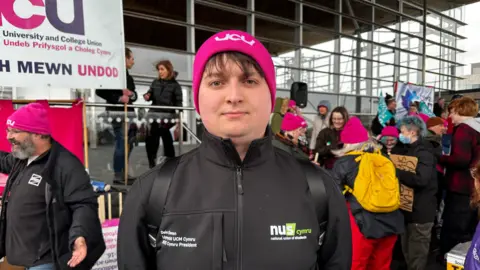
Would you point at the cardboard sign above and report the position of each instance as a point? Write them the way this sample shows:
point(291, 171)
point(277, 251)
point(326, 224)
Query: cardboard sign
point(406, 198)
point(405, 163)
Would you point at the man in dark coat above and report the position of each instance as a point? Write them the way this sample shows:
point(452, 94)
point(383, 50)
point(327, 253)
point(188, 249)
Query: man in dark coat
point(119, 96)
point(49, 217)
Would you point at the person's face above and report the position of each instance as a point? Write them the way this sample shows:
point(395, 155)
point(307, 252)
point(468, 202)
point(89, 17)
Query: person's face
point(456, 118)
point(413, 109)
point(22, 142)
point(163, 72)
point(130, 61)
point(408, 133)
point(323, 110)
point(390, 142)
point(441, 102)
point(392, 105)
point(439, 129)
point(337, 120)
point(234, 104)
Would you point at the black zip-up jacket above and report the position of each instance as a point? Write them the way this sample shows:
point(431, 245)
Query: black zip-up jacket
point(165, 93)
point(222, 213)
point(111, 96)
point(71, 207)
point(423, 182)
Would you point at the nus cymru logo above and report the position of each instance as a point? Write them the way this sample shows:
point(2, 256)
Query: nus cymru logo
point(288, 231)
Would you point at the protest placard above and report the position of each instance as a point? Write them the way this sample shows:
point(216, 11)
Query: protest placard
point(409, 164)
point(405, 163)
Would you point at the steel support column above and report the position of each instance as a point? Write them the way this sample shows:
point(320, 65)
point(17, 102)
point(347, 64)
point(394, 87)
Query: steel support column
point(298, 40)
point(192, 115)
point(424, 42)
point(251, 17)
point(398, 39)
point(337, 49)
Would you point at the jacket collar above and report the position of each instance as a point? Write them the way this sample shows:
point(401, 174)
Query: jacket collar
point(222, 151)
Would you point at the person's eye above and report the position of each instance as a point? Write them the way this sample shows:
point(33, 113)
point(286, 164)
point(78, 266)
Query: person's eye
point(251, 81)
point(215, 84)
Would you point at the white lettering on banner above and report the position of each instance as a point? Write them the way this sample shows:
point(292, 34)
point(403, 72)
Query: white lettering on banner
point(235, 37)
point(170, 239)
point(109, 257)
point(77, 53)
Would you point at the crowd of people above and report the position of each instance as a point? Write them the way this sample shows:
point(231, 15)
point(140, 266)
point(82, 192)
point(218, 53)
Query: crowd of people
point(446, 147)
point(256, 193)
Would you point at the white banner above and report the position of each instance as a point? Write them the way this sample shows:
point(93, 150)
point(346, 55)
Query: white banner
point(407, 93)
point(62, 43)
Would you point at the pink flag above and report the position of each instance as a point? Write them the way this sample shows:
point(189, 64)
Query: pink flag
point(66, 125)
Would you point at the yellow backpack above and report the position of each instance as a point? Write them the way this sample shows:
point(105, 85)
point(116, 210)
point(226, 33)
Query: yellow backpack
point(376, 186)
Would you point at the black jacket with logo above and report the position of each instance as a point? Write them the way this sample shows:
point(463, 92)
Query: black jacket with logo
point(222, 213)
point(70, 209)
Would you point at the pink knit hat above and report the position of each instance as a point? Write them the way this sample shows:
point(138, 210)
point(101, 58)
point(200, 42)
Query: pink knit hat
point(389, 131)
point(31, 118)
point(353, 132)
point(291, 122)
point(233, 41)
point(292, 103)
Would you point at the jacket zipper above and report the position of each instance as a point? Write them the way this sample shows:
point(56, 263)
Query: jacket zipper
point(238, 177)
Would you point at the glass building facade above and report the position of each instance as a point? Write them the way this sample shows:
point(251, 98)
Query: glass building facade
point(347, 51)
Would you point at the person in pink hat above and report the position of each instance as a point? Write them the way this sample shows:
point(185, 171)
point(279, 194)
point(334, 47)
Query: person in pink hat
point(373, 234)
point(389, 139)
point(50, 212)
point(236, 201)
point(291, 138)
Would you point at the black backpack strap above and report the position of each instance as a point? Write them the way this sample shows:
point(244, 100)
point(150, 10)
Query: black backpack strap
point(158, 197)
point(319, 195)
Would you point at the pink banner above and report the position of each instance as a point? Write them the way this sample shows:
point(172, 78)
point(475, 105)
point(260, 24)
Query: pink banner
point(67, 127)
point(6, 109)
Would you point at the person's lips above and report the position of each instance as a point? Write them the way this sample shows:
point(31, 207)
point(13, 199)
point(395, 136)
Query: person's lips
point(234, 114)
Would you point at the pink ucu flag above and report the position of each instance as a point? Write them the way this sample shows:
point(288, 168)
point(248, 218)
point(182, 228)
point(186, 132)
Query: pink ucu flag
point(77, 26)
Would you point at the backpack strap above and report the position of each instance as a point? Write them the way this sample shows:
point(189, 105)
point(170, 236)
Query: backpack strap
point(158, 197)
point(319, 195)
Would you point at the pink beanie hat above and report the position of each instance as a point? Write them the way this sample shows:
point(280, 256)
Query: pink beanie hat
point(233, 41)
point(390, 131)
point(31, 118)
point(292, 103)
point(291, 122)
point(353, 132)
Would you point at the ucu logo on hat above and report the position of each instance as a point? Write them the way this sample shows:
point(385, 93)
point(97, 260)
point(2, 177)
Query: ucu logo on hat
point(235, 37)
point(10, 123)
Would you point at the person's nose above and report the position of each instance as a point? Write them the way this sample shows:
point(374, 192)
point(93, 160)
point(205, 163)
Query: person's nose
point(235, 93)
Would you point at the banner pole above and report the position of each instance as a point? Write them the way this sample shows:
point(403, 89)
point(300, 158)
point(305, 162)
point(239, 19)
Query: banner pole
point(85, 135)
point(125, 141)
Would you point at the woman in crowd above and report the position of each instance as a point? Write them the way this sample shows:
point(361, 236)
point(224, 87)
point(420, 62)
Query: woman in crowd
point(373, 234)
point(472, 261)
point(164, 91)
point(280, 109)
point(329, 138)
point(416, 240)
point(459, 220)
point(389, 140)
